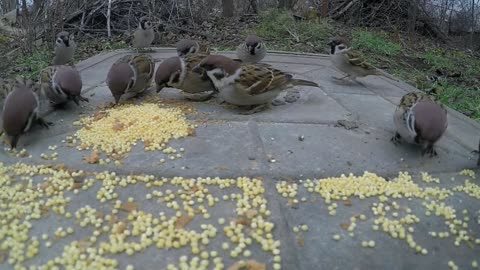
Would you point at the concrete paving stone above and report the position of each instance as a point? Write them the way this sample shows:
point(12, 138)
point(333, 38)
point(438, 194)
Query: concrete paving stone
point(348, 151)
point(316, 247)
point(324, 76)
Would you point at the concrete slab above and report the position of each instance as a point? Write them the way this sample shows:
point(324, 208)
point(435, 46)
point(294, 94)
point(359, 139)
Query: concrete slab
point(290, 142)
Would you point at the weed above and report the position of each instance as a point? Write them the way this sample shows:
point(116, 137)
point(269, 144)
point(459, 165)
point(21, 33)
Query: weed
point(29, 66)
point(280, 26)
point(375, 43)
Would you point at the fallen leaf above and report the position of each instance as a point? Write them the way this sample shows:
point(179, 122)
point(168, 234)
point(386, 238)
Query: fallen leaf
point(118, 126)
point(121, 227)
point(129, 206)
point(301, 241)
point(113, 219)
point(248, 265)
point(347, 203)
point(93, 158)
point(345, 226)
point(251, 213)
point(221, 168)
point(99, 115)
point(243, 220)
point(183, 221)
point(78, 182)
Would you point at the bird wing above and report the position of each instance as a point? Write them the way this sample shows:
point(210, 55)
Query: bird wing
point(193, 60)
point(258, 79)
point(356, 59)
point(144, 65)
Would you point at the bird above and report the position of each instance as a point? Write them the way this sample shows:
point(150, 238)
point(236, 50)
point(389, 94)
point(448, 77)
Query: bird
point(8, 85)
point(252, 50)
point(130, 75)
point(64, 48)
point(60, 84)
point(21, 109)
point(177, 72)
point(419, 119)
point(250, 85)
point(351, 62)
point(144, 34)
point(188, 46)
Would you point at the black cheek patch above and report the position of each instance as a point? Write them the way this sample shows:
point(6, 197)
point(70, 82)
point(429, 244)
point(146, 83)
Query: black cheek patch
point(176, 79)
point(219, 76)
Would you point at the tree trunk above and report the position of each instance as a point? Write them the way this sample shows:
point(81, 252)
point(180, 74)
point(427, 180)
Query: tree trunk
point(286, 4)
point(254, 6)
point(228, 8)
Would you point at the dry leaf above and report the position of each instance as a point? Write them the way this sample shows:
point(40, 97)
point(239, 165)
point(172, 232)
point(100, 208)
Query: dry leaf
point(248, 265)
point(99, 115)
point(243, 220)
point(129, 206)
point(113, 220)
point(183, 221)
point(345, 226)
point(347, 203)
point(221, 168)
point(93, 158)
point(121, 227)
point(118, 126)
point(251, 213)
point(300, 241)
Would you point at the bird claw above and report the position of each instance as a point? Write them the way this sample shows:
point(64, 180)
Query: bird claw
point(396, 139)
point(430, 151)
point(256, 109)
point(44, 123)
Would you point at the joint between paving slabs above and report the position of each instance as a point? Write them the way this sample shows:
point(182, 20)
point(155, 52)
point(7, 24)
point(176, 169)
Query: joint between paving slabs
point(256, 151)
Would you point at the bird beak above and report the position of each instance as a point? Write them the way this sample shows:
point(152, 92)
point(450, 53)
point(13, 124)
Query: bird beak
point(161, 86)
point(252, 50)
point(66, 41)
point(117, 99)
point(75, 99)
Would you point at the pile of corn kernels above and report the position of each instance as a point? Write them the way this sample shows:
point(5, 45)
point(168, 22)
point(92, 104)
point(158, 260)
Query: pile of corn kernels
point(117, 130)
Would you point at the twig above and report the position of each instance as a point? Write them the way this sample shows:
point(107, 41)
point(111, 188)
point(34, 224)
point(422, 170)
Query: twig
point(109, 11)
point(295, 36)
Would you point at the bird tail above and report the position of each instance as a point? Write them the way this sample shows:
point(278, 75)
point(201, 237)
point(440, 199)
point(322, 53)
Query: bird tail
point(304, 82)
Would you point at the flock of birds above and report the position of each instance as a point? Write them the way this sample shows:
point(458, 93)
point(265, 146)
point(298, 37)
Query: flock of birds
point(245, 82)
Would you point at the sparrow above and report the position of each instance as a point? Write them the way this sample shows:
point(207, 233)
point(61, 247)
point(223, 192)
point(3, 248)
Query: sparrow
point(177, 72)
point(419, 119)
point(254, 85)
point(187, 47)
point(144, 34)
point(253, 50)
point(19, 112)
point(64, 48)
point(8, 85)
point(61, 84)
point(351, 62)
point(130, 75)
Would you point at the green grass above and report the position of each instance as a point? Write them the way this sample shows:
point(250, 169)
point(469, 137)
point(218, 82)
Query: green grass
point(463, 99)
point(280, 27)
point(375, 43)
point(31, 65)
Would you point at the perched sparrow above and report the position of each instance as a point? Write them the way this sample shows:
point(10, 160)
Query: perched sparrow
point(130, 75)
point(144, 34)
point(253, 50)
point(20, 110)
point(420, 120)
point(351, 62)
point(247, 84)
point(61, 84)
point(188, 47)
point(64, 48)
point(177, 72)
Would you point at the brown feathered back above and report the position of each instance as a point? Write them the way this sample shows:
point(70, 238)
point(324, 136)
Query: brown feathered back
point(430, 120)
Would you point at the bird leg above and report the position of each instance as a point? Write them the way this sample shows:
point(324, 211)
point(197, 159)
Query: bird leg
point(429, 150)
point(396, 139)
point(256, 109)
point(44, 123)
